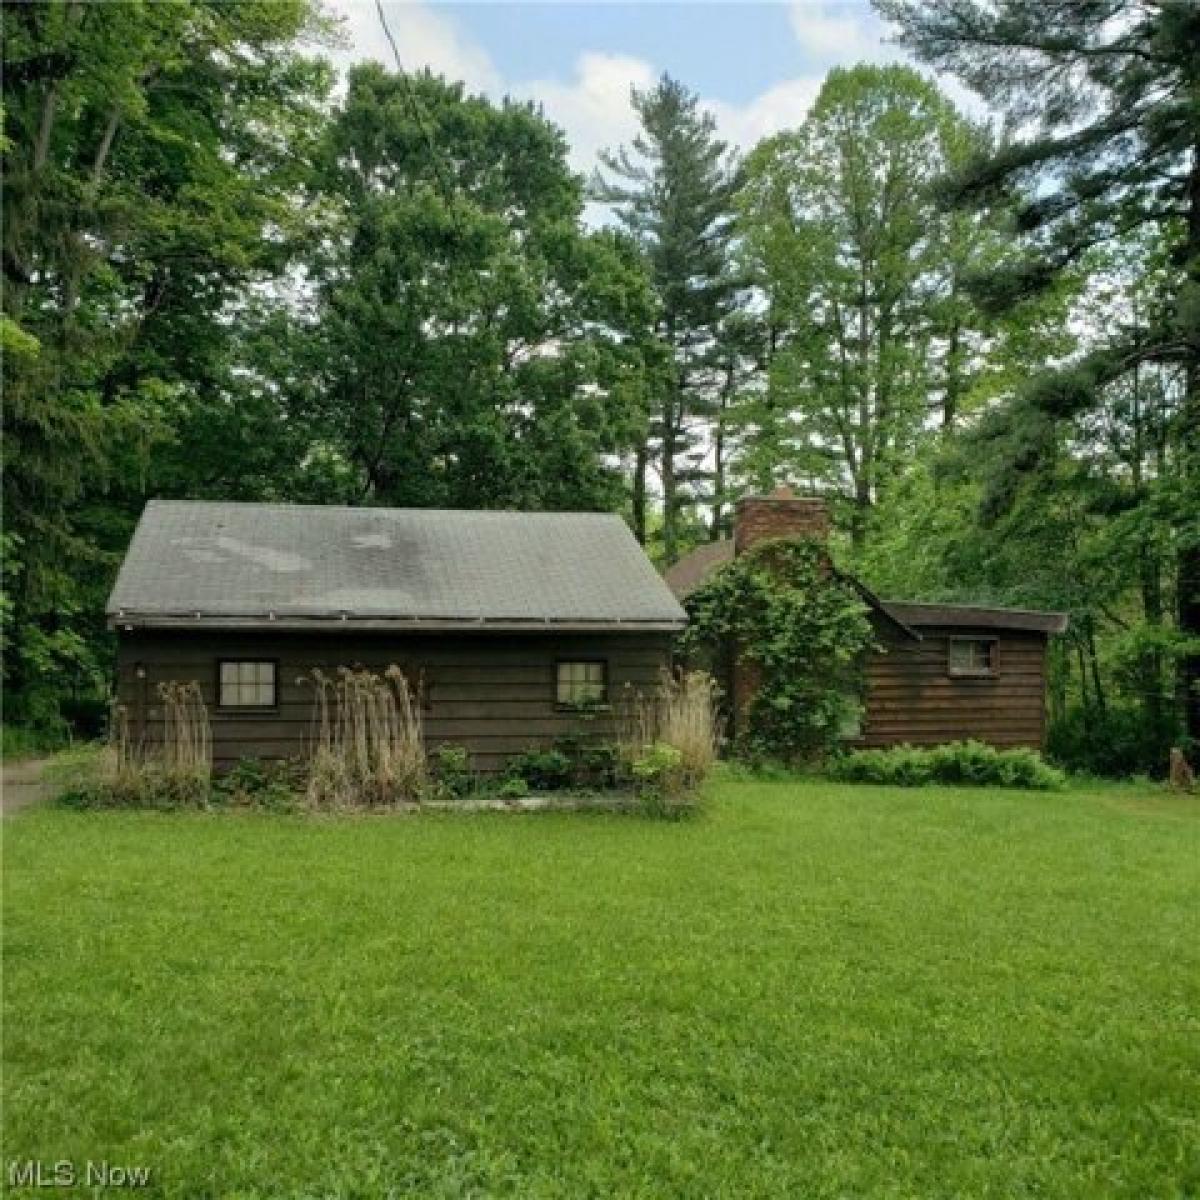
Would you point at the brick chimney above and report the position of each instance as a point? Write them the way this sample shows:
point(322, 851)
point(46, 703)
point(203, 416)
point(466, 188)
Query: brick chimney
point(756, 518)
point(781, 514)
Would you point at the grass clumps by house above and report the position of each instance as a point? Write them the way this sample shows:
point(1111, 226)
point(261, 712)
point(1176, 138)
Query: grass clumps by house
point(668, 739)
point(956, 763)
point(368, 748)
point(121, 775)
point(367, 752)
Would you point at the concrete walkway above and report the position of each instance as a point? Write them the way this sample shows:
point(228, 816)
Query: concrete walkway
point(21, 784)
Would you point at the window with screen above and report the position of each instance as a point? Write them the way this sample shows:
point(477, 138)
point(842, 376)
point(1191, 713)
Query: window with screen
point(245, 684)
point(972, 656)
point(582, 683)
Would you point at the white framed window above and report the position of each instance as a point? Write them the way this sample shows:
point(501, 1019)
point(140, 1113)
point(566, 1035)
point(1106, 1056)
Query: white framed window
point(244, 683)
point(582, 682)
point(972, 656)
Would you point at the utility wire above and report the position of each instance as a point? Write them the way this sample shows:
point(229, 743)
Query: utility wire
point(414, 106)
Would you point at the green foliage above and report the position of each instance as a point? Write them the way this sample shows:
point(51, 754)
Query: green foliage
point(659, 783)
point(443, 280)
point(512, 787)
point(1108, 110)
point(543, 770)
point(807, 632)
point(672, 190)
point(19, 742)
point(277, 785)
point(1119, 742)
point(450, 771)
point(967, 762)
point(863, 276)
point(149, 184)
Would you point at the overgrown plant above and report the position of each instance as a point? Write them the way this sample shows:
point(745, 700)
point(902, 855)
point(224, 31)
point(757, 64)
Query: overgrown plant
point(177, 774)
point(670, 734)
point(801, 630)
point(367, 745)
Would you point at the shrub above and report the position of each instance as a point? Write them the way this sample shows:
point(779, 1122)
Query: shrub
point(368, 749)
point(967, 762)
point(542, 770)
point(450, 767)
point(1119, 742)
point(513, 788)
point(276, 785)
point(659, 780)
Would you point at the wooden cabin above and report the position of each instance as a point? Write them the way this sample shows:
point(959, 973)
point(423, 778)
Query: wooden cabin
point(515, 628)
point(941, 673)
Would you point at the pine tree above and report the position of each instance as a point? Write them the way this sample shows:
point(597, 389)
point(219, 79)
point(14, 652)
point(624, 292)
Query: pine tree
point(1103, 101)
point(672, 190)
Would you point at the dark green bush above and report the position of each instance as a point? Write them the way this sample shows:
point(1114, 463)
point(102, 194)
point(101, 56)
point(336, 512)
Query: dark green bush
point(1118, 742)
point(542, 770)
point(958, 762)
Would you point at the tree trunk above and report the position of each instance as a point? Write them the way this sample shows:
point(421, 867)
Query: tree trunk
point(1188, 576)
point(639, 492)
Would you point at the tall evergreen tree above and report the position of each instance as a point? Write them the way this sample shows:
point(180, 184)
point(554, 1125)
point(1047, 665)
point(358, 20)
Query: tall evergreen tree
point(672, 190)
point(1104, 101)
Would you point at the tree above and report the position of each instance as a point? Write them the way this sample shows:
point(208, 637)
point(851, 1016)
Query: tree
point(149, 163)
point(1104, 102)
point(672, 190)
point(862, 278)
point(468, 346)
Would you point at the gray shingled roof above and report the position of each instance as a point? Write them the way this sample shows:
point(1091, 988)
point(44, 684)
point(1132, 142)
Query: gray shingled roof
point(975, 616)
point(195, 563)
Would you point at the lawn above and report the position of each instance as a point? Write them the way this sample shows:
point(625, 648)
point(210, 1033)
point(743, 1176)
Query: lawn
point(811, 990)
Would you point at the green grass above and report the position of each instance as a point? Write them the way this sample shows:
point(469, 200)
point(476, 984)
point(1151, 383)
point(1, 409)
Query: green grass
point(812, 990)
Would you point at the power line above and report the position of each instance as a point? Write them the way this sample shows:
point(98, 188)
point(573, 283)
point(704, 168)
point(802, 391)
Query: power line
point(414, 106)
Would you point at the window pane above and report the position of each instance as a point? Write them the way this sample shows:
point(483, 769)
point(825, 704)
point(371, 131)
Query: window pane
point(247, 685)
point(972, 655)
point(581, 683)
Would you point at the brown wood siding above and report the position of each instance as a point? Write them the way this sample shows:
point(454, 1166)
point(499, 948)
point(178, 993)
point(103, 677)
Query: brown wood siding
point(912, 698)
point(493, 693)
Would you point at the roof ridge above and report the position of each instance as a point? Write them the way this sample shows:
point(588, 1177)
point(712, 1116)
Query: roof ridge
point(163, 502)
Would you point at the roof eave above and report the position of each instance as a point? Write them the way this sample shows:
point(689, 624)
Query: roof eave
point(291, 624)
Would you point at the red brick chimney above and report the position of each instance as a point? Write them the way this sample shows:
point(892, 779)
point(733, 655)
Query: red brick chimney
point(756, 518)
point(781, 514)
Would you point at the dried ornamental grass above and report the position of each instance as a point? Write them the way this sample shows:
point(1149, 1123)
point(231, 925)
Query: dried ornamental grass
point(680, 711)
point(367, 743)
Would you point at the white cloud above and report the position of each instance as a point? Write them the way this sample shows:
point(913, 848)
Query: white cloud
point(780, 107)
point(593, 105)
point(840, 33)
point(424, 38)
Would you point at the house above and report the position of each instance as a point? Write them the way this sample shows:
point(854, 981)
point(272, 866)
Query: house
point(519, 627)
point(941, 672)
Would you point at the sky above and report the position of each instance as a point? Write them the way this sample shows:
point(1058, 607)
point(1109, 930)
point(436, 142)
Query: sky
point(757, 67)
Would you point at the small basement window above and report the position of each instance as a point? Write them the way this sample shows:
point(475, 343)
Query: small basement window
point(972, 656)
point(246, 684)
point(582, 683)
